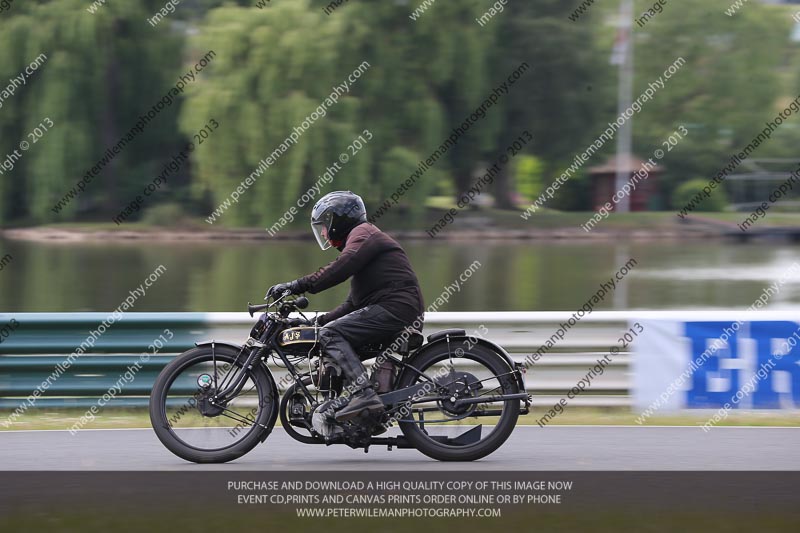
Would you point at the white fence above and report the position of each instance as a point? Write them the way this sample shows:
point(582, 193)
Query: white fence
point(522, 333)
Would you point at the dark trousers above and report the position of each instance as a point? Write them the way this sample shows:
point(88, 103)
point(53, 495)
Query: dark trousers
point(367, 325)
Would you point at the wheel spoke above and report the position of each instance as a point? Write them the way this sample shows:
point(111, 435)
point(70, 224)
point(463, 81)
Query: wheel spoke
point(237, 417)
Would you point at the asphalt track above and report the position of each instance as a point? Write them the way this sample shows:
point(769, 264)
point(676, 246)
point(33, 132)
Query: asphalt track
point(555, 448)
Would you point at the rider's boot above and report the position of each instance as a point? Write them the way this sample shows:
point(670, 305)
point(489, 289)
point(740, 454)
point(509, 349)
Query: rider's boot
point(364, 401)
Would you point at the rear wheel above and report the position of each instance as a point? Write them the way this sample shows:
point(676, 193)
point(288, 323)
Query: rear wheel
point(442, 428)
point(192, 425)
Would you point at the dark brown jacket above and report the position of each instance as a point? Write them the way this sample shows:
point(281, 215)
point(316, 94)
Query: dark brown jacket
point(381, 274)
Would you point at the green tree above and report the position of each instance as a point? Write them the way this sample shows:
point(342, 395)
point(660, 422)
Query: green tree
point(725, 92)
point(688, 190)
point(563, 97)
point(101, 72)
point(278, 66)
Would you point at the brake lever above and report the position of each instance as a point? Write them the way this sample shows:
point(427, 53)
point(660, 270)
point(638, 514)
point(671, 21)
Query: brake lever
point(277, 300)
point(283, 297)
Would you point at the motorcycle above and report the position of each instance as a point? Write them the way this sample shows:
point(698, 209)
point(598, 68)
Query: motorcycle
point(217, 401)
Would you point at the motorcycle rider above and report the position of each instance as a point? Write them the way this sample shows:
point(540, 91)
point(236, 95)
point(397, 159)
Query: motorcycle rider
point(385, 296)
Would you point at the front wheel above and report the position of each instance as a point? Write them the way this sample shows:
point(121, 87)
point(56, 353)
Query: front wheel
point(192, 425)
point(441, 427)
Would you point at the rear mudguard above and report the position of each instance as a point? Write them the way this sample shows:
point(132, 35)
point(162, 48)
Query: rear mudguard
point(455, 342)
point(273, 415)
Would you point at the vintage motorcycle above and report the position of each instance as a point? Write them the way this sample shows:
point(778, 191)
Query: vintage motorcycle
point(217, 401)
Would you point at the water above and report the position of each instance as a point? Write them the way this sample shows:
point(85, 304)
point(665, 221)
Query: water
point(512, 276)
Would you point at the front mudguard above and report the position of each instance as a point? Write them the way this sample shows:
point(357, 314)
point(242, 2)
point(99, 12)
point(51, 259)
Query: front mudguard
point(275, 400)
point(456, 341)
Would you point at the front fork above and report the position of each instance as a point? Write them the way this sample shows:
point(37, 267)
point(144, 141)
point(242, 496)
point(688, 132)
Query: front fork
point(236, 383)
point(258, 351)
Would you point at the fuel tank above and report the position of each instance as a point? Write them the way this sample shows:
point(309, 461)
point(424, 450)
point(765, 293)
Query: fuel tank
point(300, 340)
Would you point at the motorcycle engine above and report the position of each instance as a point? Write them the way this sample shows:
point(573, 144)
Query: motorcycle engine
point(329, 378)
point(329, 382)
point(323, 422)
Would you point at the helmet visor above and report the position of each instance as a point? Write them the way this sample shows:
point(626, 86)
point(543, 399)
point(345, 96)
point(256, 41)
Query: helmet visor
point(321, 234)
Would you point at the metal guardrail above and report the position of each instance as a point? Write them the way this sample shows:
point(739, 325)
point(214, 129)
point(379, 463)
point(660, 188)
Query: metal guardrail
point(30, 353)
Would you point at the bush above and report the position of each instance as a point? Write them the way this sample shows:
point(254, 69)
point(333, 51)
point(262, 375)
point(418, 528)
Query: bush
point(528, 172)
point(716, 201)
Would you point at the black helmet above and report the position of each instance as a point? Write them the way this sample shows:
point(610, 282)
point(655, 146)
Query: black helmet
point(334, 215)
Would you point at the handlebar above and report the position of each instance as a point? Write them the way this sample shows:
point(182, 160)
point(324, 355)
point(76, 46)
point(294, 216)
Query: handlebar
point(298, 303)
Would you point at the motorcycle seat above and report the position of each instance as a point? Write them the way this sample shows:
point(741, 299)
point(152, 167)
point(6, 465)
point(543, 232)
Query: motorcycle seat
point(407, 341)
point(403, 343)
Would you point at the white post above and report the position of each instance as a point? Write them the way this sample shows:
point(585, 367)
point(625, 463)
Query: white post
point(624, 99)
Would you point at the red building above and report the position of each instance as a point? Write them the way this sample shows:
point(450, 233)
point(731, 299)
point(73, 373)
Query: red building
point(645, 195)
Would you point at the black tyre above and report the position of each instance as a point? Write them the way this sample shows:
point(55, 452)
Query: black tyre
point(448, 441)
point(191, 429)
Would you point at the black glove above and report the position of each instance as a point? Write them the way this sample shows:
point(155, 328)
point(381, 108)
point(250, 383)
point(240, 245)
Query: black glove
point(277, 291)
point(319, 320)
